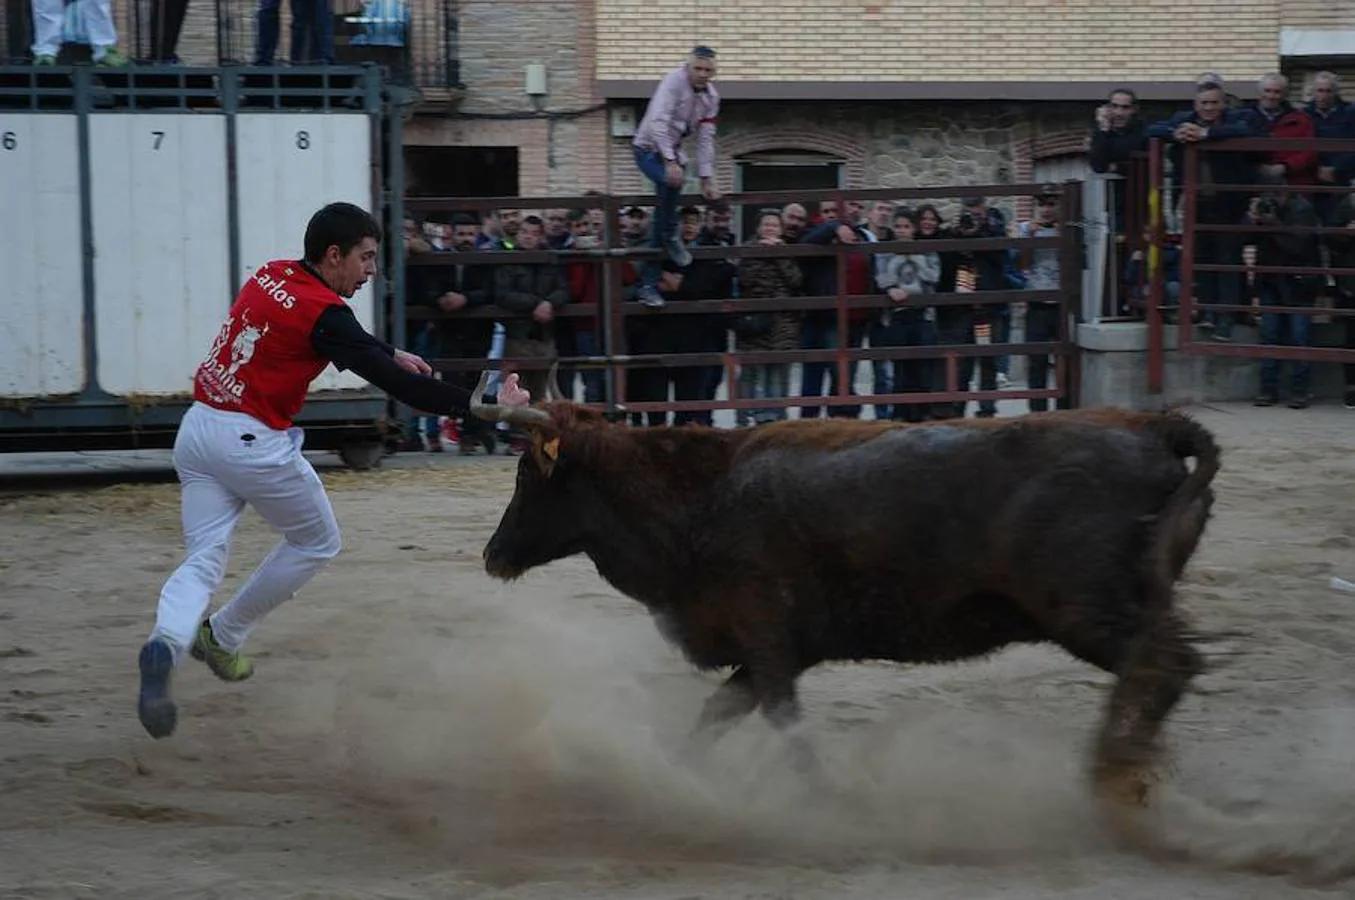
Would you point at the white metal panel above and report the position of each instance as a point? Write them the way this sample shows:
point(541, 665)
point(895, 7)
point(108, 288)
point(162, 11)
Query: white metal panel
point(42, 312)
point(287, 167)
point(161, 248)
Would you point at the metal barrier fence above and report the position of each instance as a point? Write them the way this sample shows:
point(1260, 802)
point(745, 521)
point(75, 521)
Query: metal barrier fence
point(1199, 226)
point(612, 312)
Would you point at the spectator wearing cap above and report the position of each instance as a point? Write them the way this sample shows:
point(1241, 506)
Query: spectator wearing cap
point(684, 103)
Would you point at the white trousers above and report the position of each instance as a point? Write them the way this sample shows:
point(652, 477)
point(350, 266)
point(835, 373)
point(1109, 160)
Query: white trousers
point(94, 22)
point(225, 460)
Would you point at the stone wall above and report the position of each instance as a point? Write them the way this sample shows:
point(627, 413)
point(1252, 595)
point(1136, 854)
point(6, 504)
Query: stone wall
point(891, 144)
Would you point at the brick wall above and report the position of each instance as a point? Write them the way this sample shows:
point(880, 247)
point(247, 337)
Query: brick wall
point(966, 40)
point(1317, 13)
point(565, 154)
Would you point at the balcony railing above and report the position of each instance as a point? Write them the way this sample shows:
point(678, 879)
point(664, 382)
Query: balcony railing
point(415, 41)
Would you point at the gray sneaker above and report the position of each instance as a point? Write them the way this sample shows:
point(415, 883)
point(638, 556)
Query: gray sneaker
point(648, 295)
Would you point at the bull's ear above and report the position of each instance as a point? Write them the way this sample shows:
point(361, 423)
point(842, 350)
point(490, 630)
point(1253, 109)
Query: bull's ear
point(546, 453)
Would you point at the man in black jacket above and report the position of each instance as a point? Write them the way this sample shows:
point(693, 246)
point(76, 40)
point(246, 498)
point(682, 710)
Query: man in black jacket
point(1118, 134)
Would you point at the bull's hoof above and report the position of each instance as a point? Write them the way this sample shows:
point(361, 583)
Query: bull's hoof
point(1125, 786)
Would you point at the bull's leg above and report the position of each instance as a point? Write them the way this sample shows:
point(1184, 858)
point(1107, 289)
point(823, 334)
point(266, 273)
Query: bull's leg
point(731, 701)
point(1156, 671)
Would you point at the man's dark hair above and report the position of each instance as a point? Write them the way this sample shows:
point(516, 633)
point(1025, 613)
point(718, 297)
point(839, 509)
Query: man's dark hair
point(1206, 86)
point(576, 215)
point(533, 220)
point(341, 225)
point(686, 211)
point(719, 206)
point(1133, 97)
point(465, 219)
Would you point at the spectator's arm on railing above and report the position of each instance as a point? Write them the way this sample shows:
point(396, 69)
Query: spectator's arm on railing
point(1165, 129)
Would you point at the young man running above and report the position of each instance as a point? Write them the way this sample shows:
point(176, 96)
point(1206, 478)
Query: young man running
point(236, 445)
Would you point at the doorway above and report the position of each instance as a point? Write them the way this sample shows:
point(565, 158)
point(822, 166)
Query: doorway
point(461, 171)
point(784, 170)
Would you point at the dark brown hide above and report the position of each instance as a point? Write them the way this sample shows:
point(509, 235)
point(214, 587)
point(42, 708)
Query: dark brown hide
point(774, 549)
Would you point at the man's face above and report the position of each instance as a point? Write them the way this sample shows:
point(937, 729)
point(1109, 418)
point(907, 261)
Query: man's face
point(636, 224)
point(529, 235)
point(880, 214)
point(352, 271)
point(409, 228)
point(1209, 105)
point(556, 222)
point(1046, 211)
point(691, 227)
point(1271, 95)
point(509, 221)
point(463, 237)
point(595, 221)
point(828, 209)
point(793, 219)
point(721, 221)
point(1324, 94)
point(701, 71)
point(581, 227)
point(1121, 109)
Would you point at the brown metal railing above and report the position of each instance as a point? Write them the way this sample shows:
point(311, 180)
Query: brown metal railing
point(1191, 228)
point(612, 312)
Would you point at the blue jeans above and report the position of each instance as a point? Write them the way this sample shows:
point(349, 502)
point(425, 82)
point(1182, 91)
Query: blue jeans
point(664, 224)
point(312, 32)
point(821, 334)
point(1286, 330)
point(424, 342)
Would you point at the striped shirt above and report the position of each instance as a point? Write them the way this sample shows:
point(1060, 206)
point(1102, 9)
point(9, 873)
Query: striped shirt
point(675, 111)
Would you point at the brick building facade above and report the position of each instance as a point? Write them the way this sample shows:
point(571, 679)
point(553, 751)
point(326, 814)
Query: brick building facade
point(889, 92)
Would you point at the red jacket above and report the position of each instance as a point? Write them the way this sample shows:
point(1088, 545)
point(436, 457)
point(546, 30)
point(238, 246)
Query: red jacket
point(585, 286)
point(1292, 124)
point(262, 362)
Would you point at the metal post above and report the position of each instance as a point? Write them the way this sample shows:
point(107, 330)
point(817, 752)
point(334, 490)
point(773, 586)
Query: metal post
point(1191, 185)
point(83, 83)
point(844, 380)
point(230, 108)
point(1156, 353)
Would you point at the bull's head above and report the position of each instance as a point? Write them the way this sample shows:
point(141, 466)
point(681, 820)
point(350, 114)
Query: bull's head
point(545, 520)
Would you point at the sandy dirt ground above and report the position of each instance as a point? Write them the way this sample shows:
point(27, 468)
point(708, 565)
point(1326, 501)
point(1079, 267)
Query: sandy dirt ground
point(416, 729)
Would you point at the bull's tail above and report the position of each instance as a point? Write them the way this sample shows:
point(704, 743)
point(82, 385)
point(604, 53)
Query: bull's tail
point(1181, 522)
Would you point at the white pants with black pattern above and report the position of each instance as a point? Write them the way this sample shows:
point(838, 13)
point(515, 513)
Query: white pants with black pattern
point(226, 460)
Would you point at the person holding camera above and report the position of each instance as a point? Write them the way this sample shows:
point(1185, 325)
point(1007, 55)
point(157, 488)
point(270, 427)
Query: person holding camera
point(1281, 209)
point(965, 272)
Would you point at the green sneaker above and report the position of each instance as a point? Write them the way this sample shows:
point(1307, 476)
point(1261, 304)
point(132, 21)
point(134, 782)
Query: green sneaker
point(112, 58)
point(225, 664)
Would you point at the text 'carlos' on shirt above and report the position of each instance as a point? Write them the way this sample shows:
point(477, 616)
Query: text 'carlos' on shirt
point(262, 361)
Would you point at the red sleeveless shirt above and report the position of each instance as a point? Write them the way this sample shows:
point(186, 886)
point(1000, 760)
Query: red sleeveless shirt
point(262, 362)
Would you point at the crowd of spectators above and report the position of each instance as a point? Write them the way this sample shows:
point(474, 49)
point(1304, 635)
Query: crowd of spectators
point(537, 292)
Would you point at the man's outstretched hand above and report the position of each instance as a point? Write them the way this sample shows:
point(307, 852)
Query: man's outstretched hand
point(513, 394)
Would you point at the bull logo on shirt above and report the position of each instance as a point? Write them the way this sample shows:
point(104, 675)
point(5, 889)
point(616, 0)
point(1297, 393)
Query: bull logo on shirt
point(242, 348)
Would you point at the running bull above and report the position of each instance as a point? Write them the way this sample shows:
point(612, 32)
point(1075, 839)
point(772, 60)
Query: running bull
point(774, 549)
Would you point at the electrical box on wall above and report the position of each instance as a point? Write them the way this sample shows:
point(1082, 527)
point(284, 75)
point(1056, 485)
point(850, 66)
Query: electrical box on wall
point(536, 80)
point(622, 121)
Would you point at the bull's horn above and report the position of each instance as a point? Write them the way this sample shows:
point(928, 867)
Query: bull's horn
point(553, 383)
point(494, 412)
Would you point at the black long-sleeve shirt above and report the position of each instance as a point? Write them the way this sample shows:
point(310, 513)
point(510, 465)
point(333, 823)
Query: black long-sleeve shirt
point(339, 337)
